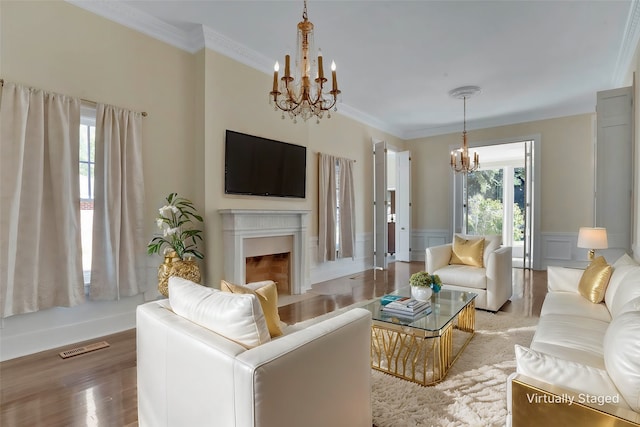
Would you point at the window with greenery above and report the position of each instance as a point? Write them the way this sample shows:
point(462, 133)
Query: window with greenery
point(485, 199)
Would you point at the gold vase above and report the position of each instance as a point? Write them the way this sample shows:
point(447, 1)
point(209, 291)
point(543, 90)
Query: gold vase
point(174, 266)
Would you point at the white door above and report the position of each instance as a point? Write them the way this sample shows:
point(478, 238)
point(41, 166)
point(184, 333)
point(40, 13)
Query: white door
point(614, 166)
point(380, 202)
point(403, 206)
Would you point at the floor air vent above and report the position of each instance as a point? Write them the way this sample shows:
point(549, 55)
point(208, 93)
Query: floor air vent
point(85, 349)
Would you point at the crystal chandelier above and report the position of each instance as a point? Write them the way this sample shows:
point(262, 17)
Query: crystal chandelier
point(460, 160)
point(301, 96)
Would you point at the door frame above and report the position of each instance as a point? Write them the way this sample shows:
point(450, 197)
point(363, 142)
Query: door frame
point(456, 199)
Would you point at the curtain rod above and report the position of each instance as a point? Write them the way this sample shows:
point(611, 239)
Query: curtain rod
point(354, 161)
point(87, 101)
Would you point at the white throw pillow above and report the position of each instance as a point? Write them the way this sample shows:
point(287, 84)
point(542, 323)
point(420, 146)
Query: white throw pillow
point(622, 356)
point(628, 289)
point(619, 274)
point(565, 373)
point(237, 317)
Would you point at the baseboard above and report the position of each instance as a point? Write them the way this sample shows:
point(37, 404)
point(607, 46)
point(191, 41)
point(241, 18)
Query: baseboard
point(57, 327)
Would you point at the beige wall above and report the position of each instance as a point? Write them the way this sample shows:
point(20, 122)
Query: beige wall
point(61, 48)
point(566, 181)
point(236, 99)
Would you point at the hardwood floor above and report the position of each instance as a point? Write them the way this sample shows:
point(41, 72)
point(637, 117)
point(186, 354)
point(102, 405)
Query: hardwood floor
point(99, 388)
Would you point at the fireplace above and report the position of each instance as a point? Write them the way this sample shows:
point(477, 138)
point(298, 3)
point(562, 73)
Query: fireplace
point(266, 245)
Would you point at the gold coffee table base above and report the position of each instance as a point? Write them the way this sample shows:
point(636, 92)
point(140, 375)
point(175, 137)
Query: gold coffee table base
point(417, 355)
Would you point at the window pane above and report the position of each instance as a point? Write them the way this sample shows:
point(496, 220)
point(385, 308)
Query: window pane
point(84, 144)
point(92, 169)
point(92, 141)
point(84, 181)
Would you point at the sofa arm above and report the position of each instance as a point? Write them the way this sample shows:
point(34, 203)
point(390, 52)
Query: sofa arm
point(318, 376)
point(563, 279)
point(499, 277)
point(437, 257)
point(531, 402)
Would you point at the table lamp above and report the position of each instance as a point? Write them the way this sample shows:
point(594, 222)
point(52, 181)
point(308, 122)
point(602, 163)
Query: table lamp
point(592, 238)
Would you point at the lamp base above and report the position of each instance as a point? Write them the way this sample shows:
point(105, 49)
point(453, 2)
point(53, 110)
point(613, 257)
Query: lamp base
point(591, 254)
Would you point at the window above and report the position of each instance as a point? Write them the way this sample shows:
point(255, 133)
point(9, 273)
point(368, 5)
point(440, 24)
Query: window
point(87, 174)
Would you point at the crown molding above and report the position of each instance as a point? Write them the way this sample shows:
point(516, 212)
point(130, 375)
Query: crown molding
point(628, 45)
point(237, 51)
point(368, 120)
point(511, 119)
point(139, 21)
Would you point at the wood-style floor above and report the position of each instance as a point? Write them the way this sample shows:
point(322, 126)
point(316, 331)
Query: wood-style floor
point(99, 388)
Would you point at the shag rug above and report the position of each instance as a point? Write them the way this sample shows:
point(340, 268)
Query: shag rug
point(474, 391)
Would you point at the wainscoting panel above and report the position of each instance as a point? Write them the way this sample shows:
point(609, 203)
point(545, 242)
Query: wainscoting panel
point(423, 239)
point(362, 261)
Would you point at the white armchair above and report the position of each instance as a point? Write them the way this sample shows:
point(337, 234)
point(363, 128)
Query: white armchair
point(492, 282)
point(189, 375)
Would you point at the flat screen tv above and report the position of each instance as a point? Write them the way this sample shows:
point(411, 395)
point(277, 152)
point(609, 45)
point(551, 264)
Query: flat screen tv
point(263, 167)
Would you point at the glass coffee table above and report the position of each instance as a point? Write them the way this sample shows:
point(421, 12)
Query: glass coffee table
point(422, 349)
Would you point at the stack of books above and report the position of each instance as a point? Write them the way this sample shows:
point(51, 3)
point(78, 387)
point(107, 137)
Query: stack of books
point(407, 307)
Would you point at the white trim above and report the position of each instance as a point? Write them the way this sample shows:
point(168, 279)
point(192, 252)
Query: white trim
point(628, 45)
point(362, 261)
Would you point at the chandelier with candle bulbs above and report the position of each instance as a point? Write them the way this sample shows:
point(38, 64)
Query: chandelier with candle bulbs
point(303, 93)
point(460, 159)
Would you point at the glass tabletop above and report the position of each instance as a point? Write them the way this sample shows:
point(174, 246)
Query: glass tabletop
point(445, 306)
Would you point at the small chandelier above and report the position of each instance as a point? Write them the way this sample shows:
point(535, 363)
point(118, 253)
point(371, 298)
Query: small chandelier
point(460, 160)
point(302, 97)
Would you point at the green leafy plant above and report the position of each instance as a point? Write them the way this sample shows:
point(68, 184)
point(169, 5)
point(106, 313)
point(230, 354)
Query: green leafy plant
point(175, 219)
point(426, 280)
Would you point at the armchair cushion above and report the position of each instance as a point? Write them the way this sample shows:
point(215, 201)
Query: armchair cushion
point(594, 280)
point(267, 293)
point(237, 317)
point(467, 251)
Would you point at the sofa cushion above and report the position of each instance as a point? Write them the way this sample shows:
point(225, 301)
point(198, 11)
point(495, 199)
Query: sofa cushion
point(594, 280)
point(621, 268)
point(467, 251)
point(628, 289)
point(574, 338)
point(622, 356)
point(237, 317)
point(267, 293)
point(568, 373)
point(573, 304)
point(463, 275)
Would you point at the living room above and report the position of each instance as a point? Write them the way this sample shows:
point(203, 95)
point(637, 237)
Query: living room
point(192, 98)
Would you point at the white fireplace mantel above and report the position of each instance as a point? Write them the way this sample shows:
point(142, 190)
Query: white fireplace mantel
point(241, 224)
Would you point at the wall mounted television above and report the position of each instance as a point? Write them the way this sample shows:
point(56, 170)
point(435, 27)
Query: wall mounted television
point(263, 167)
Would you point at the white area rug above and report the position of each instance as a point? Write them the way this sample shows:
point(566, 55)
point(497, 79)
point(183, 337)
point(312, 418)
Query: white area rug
point(474, 391)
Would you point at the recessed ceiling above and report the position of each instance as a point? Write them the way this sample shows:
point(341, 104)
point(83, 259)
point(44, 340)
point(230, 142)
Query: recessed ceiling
point(397, 60)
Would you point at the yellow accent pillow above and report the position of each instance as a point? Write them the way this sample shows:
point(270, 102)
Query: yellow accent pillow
point(467, 251)
point(595, 279)
point(267, 294)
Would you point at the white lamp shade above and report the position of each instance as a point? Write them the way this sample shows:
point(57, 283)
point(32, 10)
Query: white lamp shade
point(592, 238)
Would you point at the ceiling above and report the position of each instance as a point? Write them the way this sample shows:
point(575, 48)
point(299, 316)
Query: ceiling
point(397, 60)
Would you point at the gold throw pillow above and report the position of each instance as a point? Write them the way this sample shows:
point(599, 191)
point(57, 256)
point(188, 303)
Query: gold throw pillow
point(467, 251)
point(595, 279)
point(268, 297)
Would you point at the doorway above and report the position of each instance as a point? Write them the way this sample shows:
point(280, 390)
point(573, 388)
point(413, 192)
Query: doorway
point(498, 198)
point(392, 205)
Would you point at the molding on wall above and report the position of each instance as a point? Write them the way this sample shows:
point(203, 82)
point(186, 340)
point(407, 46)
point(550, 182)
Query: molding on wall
point(362, 261)
point(628, 45)
point(422, 239)
point(562, 249)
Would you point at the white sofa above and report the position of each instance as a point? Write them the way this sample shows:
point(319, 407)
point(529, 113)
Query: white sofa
point(583, 364)
point(189, 375)
point(492, 282)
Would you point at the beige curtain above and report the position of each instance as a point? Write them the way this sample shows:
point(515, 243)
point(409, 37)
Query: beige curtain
point(119, 253)
point(40, 246)
point(346, 201)
point(326, 207)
